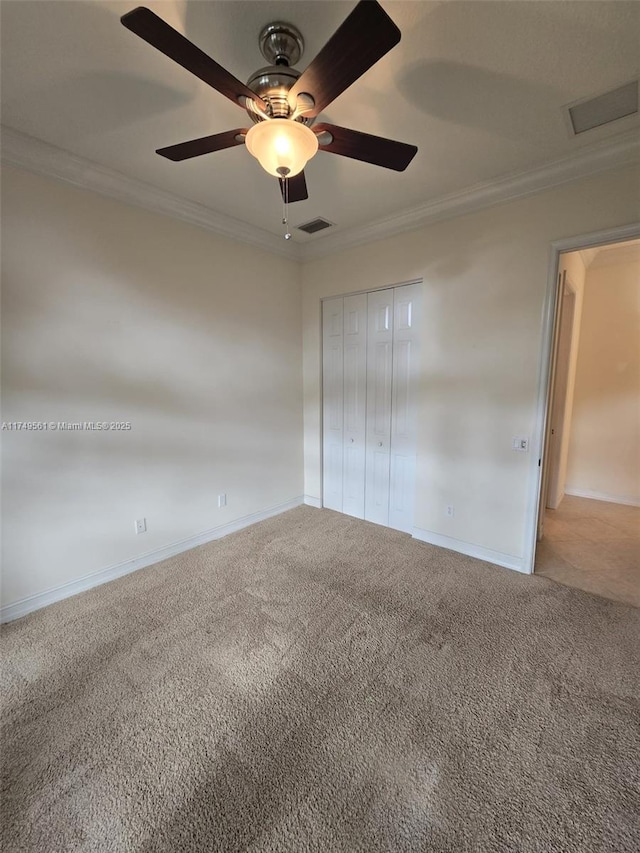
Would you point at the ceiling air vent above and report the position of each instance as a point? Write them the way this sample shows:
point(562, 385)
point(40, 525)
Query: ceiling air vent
point(315, 225)
point(605, 108)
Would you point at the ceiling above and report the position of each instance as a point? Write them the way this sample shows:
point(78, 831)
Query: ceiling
point(612, 254)
point(479, 87)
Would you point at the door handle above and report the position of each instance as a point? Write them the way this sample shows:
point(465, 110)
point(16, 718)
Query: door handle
point(351, 440)
point(379, 444)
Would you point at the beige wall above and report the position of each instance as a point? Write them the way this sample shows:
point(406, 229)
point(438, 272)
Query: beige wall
point(485, 277)
point(111, 313)
point(604, 455)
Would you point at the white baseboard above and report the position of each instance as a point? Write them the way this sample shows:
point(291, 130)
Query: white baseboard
point(311, 501)
point(508, 561)
point(41, 599)
point(602, 496)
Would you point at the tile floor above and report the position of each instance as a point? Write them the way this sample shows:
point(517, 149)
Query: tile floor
point(594, 546)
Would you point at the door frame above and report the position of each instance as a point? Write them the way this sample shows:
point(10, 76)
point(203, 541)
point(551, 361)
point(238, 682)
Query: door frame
point(550, 321)
point(559, 398)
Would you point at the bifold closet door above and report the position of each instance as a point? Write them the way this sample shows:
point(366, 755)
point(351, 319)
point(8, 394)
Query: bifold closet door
point(378, 426)
point(355, 391)
point(369, 366)
point(406, 318)
point(332, 402)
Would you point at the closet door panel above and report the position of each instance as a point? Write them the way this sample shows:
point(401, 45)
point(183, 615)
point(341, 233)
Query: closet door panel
point(332, 402)
point(403, 407)
point(355, 392)
point(378, 428)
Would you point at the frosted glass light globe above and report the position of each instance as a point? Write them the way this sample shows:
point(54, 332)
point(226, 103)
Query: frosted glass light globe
point(281, 146)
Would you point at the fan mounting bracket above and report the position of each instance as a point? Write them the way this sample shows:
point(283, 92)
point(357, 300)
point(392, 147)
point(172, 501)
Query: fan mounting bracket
point(281, 44)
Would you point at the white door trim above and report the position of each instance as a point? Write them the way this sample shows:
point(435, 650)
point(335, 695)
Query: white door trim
point(569, 244)
point(553, 491)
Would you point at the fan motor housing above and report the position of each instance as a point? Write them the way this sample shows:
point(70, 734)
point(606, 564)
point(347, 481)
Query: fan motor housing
point(282, 46)
point(272, 84)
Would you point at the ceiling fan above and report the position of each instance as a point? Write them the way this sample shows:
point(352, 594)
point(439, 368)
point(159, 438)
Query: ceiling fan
point(284, 103)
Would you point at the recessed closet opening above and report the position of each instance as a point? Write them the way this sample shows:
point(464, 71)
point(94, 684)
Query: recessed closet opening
point(370, 352)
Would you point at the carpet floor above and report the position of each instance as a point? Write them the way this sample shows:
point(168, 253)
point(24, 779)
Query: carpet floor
point(317, 683)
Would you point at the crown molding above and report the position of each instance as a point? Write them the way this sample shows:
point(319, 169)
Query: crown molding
point(622, 150)
point(33, 154)
point(37, 156)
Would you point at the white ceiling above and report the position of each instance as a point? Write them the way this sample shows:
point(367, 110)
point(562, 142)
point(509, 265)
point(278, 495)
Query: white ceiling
point(612, 254)
point(479, 87)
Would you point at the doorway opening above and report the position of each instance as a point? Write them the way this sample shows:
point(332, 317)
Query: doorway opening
point(588, 530)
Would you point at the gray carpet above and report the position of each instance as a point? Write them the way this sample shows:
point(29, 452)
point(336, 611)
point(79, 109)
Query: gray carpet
point(317, 683)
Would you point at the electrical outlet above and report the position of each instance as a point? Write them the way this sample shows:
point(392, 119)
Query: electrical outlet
point(450, 511)
point(520, 444)
point(141, 525)
point(222, 501)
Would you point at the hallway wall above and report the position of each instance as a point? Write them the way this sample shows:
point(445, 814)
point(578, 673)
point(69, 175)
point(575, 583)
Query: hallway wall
point(604, 453)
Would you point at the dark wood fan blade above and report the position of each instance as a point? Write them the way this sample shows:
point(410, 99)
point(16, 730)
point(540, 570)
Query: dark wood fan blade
point(144, 23)
point(204, 145)
point(297, 188)
point(364, 38)
point(362, 146)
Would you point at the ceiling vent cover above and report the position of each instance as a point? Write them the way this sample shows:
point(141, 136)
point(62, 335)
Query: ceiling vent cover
point(605, 108)
point(315, 225)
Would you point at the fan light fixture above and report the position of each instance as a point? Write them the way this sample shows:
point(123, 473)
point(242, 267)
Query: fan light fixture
point(281, 139)
point(281, 146)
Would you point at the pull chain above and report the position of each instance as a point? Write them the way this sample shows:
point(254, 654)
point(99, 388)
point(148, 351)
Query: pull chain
point(285, 206)
point(283, 171)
